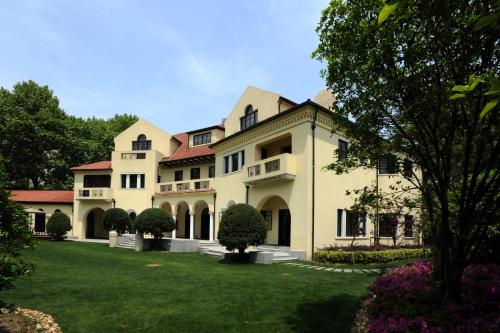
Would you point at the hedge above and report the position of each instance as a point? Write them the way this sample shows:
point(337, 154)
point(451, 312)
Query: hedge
point(368, 257)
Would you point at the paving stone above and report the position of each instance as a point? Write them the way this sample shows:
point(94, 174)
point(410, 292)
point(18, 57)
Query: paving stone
point(338, 270)
point(319, 268)
point(329, 269)
point(347, 270)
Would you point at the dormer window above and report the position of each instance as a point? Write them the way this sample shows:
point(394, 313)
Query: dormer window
point(142, 143)
point(201, 139)
point(249, 119)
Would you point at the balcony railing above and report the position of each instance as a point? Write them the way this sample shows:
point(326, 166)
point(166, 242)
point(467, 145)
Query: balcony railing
point(97, 193)
point(273, 168)
point(186, 185)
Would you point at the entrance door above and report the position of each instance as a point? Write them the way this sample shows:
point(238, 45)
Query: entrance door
point(40, 222)
point(205, 224)
point(90, 232)
point(284, 227)
point(187, 225)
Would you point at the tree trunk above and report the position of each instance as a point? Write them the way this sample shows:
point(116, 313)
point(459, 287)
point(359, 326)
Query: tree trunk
point(241, 250)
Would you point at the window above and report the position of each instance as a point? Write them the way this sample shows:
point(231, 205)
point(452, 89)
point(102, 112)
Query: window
point(179, 175)
point(268, 217)
point(141, 156)
point(133, 180)
point(408, 226)
point(142, 143)
point(339, 222)
point(200, 139)
point(249, 119)
point(263, 153)
point(234, 162)
point(195, 173)
point(97, 181)
point(407, 168)
point(342, 150)
point(211, 171)
point(355, 224)
point(387, 225)
point(388, 165)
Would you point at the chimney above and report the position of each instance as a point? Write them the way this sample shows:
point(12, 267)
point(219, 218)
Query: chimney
point(325, 98)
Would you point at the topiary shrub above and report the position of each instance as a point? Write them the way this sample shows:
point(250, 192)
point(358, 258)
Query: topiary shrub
point(154, 221)
point(58, 225)
point(241, 226)
point(116, 219)
point(369, 257)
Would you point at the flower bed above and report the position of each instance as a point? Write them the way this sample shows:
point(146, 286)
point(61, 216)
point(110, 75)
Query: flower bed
point(404, 301)
point(368, 257)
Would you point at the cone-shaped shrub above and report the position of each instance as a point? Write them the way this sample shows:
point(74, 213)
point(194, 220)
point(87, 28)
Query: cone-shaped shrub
point(58, 225)
point(241, 225)
point(116, 219)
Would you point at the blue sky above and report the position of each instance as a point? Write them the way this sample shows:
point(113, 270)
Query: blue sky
point(180, 64)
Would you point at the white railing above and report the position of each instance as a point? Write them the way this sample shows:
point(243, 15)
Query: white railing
point(186, 185)
point(94, 193)
point(279, 166)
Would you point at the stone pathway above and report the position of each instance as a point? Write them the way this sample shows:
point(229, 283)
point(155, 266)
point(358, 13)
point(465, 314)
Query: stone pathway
point(336, 270)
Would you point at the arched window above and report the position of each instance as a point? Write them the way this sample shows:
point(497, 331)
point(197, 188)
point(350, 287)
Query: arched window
point(250, 117)
point(142, 143)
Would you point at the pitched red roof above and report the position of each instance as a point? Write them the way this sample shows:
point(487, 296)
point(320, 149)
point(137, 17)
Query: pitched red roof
point(42, 196)
point(103, 165)
point(186, 152)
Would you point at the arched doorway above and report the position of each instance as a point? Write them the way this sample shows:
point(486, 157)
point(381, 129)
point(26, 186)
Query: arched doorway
point(183, 220)
point(201, 220)
point(40, 222)
point(132, 214)
point(93, 225)
point(277, 215)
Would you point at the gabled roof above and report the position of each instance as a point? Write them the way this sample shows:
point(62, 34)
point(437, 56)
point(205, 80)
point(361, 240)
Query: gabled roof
point(103, 165)
point(219, 127)
point(185, 154)
point(42, 196)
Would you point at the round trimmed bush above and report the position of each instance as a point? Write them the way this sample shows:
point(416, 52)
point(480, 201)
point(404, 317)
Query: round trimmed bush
point(58, 225)
point(154, 221)
point(241, 225)
point(116, 219)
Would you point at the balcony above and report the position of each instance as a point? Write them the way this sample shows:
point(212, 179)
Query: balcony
point(94, 193)
point(279, 167)
point(193, 185)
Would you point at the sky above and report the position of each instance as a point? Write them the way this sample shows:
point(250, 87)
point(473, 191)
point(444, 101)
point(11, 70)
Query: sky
point(179, 64)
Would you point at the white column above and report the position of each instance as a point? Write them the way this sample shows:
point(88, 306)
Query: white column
point(211, 229)
point(127, 181)
point(191, 225)
point(174, 232)
point(138, 181)
point(344, 222)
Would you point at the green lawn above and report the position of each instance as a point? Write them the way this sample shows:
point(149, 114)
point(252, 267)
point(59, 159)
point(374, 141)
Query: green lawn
point(93, 288)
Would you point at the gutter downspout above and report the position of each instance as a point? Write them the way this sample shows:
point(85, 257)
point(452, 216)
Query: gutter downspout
point(247, 194)
point(313, 166)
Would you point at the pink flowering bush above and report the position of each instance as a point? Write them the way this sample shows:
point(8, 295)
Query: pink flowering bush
point(404, 301)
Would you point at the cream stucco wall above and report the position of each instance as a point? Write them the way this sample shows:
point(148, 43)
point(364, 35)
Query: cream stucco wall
point(49, 209)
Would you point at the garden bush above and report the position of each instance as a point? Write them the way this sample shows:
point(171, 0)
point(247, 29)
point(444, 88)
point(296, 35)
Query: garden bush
point(368, 257)
point(116, 219)
point(241, 226)
point(58, 225)
point(404, 300)
point(154, 221)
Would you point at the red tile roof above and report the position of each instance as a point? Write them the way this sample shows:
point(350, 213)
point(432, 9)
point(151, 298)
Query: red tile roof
point(103, 165)
point(42, 196)
point(186, 152)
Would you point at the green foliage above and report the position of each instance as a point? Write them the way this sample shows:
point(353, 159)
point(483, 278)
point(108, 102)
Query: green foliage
point(369, 257)
point(154, 221)
point(241, 226)
point(58, 225)
point(40, 142)
point(416, 86)
point(116, 219)
point(15, 235)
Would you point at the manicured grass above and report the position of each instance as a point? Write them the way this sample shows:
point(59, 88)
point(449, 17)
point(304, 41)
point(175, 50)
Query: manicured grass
point(93, 288)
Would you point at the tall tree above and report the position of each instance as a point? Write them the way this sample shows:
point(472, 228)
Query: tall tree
point(395, 81)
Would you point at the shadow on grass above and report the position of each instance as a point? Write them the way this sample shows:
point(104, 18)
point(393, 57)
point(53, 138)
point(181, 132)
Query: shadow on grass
point(331, 315)
point(236, 259)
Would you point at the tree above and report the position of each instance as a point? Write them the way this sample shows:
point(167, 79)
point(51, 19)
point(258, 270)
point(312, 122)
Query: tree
point(15, 235)
point(40, 142)
point(116, 219)
point(241, 226)
point(154, 221)
point(394, 84)
point(395, 206)
point(58, 225)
